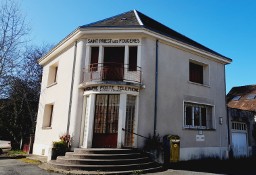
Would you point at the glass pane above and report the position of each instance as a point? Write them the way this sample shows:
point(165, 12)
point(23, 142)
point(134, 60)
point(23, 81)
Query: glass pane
point(133, 58)
point(188, 114)
point(94, 58)
point(196, 73)
point(100, 114)
point(203, 116)
point(196, 116)
point(113, 112)
point(130, 116)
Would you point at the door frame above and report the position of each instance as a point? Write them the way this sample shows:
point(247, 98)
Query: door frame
point(105, 113)
point(86, 142)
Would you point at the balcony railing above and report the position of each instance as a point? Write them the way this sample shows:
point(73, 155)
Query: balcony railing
point(112, 72)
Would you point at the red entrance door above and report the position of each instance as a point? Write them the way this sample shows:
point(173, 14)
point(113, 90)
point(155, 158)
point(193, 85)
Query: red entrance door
point(106, 121)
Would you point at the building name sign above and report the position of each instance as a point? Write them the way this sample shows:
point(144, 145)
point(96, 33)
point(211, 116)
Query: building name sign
point(111, 89)
point(114, 41)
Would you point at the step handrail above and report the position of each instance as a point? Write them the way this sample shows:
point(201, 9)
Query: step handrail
point(135, 134)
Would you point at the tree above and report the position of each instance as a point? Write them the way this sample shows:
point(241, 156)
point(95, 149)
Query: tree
point(13, 31)
point(18, 117)
point(20, 75)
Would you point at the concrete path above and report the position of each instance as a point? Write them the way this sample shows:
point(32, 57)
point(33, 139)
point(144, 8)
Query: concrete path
point(17, 167)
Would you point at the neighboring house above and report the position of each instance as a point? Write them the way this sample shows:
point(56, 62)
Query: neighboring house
point(241, 102)
point(130, 74)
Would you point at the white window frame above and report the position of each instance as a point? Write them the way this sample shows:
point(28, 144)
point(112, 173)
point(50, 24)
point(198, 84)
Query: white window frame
point(195, 104)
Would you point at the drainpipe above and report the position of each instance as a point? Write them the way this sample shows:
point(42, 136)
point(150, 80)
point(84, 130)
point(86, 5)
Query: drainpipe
point(71, 88)
point(227, 111)
point(156, 89)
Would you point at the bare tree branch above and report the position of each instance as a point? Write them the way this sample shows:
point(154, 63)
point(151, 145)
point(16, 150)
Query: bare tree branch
point(13, 31)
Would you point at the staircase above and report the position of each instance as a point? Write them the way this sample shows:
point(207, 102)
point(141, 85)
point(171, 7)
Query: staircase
point(116, 161)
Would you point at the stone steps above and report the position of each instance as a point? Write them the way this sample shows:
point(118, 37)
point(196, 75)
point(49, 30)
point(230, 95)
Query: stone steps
point(62, 159)
point(108, 160)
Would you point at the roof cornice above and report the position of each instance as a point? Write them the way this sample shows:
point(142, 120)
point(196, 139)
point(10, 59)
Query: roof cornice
point(76, 35)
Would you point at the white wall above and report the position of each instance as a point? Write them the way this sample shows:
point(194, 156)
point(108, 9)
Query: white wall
point(57, 94)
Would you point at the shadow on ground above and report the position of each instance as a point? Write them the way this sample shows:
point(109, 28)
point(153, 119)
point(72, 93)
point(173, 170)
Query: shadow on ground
point(242, 166)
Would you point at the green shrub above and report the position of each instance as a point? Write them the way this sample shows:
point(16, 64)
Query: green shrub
point(59, 149)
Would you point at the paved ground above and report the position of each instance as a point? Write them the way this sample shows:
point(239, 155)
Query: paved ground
point(205, 167)
point(17, 167)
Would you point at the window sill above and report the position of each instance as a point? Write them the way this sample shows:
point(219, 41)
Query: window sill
point(204, 85)
point(197, 129)
point(52, 84)
point(46, 128)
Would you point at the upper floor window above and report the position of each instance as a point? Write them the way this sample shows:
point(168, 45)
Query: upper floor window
point(94, 58)
point(48, 113)
point(133, 50)
point(196, 73)
point(53, 72)
point(197, 116)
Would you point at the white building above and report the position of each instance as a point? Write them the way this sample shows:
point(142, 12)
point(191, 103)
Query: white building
point(130, 74)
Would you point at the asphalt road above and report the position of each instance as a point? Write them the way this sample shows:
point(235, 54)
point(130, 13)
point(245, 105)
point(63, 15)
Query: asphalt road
point(17, 167)
point(210, 167)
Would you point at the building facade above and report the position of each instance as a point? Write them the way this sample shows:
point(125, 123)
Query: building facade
point(241, 102)
point(110, 82)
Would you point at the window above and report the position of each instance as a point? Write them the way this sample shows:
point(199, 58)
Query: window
point(239, 126)
point(236, 98)
point(53, 71)
point(196, 73)
point(94, 58)
point(251, 96)
point(197, 116)
point(48, 113)
point(130, 118)
point(133, 58)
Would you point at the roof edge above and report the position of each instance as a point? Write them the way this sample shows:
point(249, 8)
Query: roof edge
point(138, 17)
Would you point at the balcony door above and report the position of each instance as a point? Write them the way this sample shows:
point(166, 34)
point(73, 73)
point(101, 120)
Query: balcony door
point(106, 121)
point(113, 63)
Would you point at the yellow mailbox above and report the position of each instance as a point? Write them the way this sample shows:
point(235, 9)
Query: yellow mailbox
point(174, 148)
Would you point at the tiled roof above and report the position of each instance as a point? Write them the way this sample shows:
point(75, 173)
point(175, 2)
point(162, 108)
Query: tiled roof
point(243, 103)
point(137, 19)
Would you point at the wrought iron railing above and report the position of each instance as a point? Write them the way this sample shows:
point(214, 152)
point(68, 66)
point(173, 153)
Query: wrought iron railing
point(112, 72)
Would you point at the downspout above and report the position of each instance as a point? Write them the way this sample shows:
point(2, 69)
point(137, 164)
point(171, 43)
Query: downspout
point(71, 88)
point(227, 111)
point(156, 89)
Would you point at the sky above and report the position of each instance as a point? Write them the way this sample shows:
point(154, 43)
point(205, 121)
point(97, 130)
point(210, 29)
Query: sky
point(225, 26)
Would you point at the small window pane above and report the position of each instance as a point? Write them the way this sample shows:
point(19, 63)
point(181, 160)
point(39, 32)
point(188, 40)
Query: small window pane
point(236, 98)
point(133, 58)
point(196, 116)
point(94, 58)
point(188, 115)
point(203, 116)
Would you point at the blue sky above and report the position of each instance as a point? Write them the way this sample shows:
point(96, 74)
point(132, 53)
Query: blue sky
point(227, 27)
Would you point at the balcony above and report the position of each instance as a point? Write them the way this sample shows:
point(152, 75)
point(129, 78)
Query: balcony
point(112, 72)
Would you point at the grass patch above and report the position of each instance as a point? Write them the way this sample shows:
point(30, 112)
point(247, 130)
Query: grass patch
point(16, 152)
point(31, 161)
